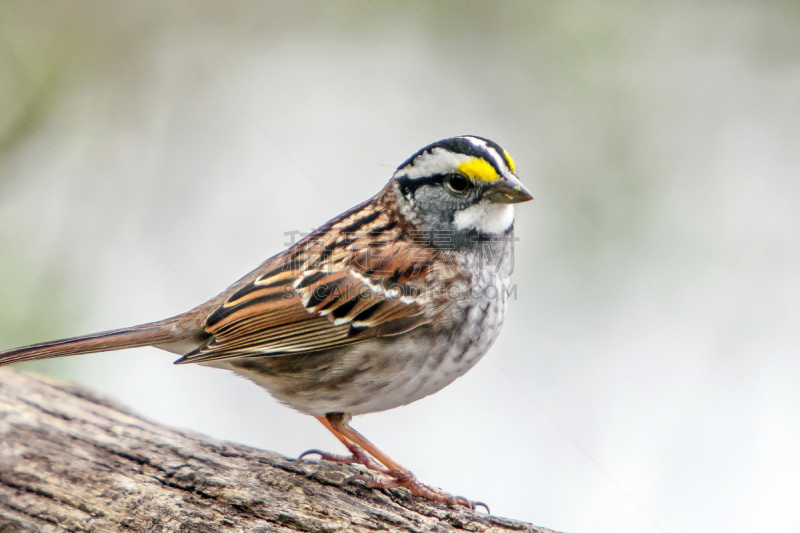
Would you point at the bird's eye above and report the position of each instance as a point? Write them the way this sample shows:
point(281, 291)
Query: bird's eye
point(457, 183)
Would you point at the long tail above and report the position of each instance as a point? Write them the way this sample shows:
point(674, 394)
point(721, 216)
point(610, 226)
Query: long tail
point(154, 334)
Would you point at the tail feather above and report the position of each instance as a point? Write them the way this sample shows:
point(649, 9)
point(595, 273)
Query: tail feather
point(153, 334)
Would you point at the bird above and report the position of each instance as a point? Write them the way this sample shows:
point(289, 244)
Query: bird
point(381, 306)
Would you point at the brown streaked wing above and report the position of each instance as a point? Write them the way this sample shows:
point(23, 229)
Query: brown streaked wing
point(332, 289)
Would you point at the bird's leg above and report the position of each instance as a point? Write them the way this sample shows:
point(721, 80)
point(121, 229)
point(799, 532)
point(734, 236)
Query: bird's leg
point(358, 456)
point(399, 476)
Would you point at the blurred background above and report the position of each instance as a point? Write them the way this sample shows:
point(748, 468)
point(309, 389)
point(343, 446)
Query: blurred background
point(648, 376)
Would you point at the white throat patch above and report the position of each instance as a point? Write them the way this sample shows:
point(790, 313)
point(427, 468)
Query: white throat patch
point(485, 217)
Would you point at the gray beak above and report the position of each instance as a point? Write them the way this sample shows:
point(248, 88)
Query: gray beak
point(508, 191)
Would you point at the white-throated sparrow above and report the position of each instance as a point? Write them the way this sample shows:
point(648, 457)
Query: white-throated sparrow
point(385, 304)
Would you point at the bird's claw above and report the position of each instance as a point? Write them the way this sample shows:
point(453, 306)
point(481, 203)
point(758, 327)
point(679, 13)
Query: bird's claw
point(406, 479)
point(359, 457)
point(325, 456)
point(394, 479)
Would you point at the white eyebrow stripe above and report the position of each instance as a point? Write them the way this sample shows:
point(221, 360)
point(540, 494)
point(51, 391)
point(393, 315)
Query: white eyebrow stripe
point(480, 143)
point(440, 160)
point(437, 161)
point(501, 163)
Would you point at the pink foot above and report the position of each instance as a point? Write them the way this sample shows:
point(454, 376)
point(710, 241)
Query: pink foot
point(406, 479)
point(359, 457)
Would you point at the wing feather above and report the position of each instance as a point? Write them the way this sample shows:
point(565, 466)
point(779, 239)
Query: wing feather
point(353, 279)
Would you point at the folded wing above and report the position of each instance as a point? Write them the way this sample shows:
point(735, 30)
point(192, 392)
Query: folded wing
point(352, 280)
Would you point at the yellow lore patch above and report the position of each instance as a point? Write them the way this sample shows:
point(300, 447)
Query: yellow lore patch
point(478, 169)
point(511, 165)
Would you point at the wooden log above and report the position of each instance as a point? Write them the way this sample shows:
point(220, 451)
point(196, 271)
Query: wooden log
point(71, 460)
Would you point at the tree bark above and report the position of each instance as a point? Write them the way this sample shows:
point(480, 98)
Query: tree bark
point(70, 460)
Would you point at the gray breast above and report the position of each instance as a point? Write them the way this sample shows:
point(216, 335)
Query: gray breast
point(381, 374)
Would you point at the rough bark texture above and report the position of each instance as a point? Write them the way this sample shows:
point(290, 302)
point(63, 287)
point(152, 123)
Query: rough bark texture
point(72, 461)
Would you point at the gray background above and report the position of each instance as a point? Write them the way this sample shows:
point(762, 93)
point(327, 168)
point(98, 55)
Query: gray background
point(648, 377)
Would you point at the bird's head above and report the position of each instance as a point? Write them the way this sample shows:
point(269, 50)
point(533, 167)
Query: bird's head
point(464, 184)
